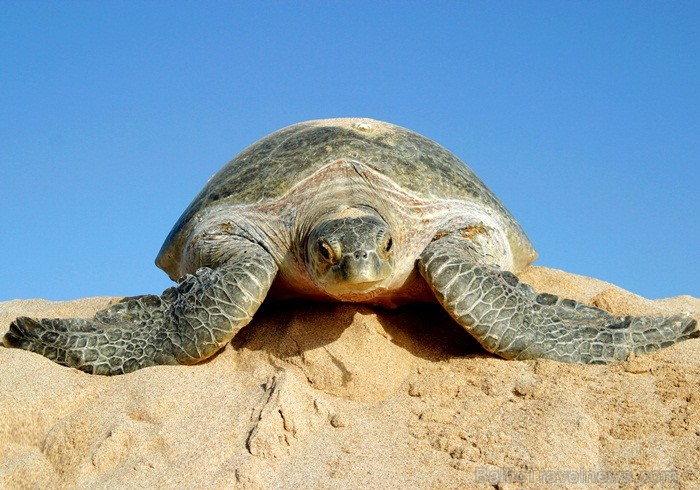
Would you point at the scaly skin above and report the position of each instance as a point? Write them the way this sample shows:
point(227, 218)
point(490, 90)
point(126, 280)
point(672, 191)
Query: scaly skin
point(186, 324)
point(509, 319)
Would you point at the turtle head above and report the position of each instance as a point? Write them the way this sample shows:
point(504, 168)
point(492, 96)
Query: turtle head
point(350, 251)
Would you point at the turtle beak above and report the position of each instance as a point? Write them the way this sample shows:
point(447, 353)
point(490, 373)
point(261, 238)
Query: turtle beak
point(360, 267)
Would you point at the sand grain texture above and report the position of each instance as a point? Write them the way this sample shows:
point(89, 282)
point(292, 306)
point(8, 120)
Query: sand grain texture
point(346, 396)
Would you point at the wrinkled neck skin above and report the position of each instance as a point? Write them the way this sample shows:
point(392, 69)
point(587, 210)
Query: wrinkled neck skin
point(351, 192)
point(318, 234)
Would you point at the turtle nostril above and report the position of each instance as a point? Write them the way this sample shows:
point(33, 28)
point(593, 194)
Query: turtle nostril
point(362, 254)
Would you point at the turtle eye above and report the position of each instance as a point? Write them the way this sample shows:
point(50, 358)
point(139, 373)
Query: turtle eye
point(326, 251)
point(388, 244)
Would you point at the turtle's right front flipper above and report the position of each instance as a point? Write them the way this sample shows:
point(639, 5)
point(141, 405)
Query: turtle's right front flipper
point(509, 319)
point(186, 324)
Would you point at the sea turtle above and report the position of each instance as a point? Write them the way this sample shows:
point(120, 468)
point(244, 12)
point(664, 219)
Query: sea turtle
point(351, 210)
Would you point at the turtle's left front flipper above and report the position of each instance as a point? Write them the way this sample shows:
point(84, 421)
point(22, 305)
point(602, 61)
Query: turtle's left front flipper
point(186, 324)
point(509, 319)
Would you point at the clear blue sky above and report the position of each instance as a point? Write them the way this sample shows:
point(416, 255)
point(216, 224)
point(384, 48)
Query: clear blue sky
point(583, 117)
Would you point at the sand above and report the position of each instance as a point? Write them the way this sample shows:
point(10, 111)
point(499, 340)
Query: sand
point(346, 396)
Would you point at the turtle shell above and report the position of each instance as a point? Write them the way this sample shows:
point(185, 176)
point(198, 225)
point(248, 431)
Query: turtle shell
point(269, 168)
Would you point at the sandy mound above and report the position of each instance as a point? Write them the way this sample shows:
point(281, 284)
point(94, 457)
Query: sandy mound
point(343, 396)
